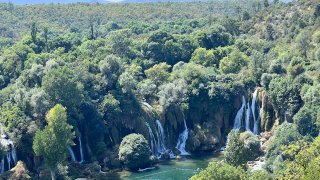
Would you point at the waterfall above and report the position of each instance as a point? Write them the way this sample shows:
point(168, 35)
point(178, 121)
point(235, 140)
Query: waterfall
point(161, 141)
point(253, 108)
point(238, 119)
point(153, 142)
point(181, 145)
point(81, 150)
point(9, 161)
point(248, 111)
point(11, 153)
point(2, 165)
point(72, 155)
point(161, 138)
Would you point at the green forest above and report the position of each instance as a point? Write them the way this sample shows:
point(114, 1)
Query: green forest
point(210, 90)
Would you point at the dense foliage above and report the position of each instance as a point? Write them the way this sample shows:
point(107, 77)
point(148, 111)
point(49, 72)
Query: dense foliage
point(115, 67)
point(134, 151)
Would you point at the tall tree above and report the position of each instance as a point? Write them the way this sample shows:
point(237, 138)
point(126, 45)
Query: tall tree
point(51, 142)
point(34, 30)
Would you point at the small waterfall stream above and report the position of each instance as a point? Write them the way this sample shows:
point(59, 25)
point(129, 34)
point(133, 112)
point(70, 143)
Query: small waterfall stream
point(238, 118)
point(81, 150)
point(153, 142)
point(253, 108)
point(181, 145)
point(72, 155)
point(9, 160)
point(248, 111)
point(161, 138)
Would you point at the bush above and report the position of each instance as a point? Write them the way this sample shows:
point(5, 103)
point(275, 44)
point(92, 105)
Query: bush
point(286, 134)
point(220, 171)
point(305, 119)
point(134, 151)
point(235, 152)
point(251, 144)
point(260, 175)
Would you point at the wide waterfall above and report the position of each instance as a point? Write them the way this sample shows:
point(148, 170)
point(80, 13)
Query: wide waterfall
point(238, 119)
point(181, 145)
point(72, 155)
point(250, 113)
point(81, 150)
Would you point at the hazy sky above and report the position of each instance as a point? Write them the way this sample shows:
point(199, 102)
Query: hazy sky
point(69, 1)
point(52, 1)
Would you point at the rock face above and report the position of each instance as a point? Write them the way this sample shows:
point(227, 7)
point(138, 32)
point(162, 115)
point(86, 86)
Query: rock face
point(268, 114)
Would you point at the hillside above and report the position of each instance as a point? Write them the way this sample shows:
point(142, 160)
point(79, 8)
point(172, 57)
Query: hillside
point(129, 91)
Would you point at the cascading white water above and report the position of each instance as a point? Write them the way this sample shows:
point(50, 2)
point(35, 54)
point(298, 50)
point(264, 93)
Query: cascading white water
point(253, 108)
point(72, 155)
point(181, 145)
point(153, 142)
point(81, 150)
point(161, 138)
point(14, 154)
point(11, 156)
point(161, 141)
point(248, 111)
point(238, 119)
point(9, 161)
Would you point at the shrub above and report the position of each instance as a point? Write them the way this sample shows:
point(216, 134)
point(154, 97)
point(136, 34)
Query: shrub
point(251, 144)
point(235, 152)
point(286, 134)
point(305, 119)
point(220, 171)
point(134, 151)
point(260, 175)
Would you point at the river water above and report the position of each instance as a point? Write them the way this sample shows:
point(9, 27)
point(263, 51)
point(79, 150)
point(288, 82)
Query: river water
point(181, 169)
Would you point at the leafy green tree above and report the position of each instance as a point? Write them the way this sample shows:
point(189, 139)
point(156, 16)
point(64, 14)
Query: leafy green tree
point(286, 134)
point(303, 41)
point(312, 170)
point(285, 96)
point(34, 31)
point(134, 151)
point(63, 88)
point(214, 37)
point(159, 73)
point(120, 43)
point(111, 68)
point(234, 62)
point(306, 121)
point(109, 107)
point(305, 164)
point(51, 142)
point(220, 171)
point(205, 57)
point(270, 33)
point(129, 79)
